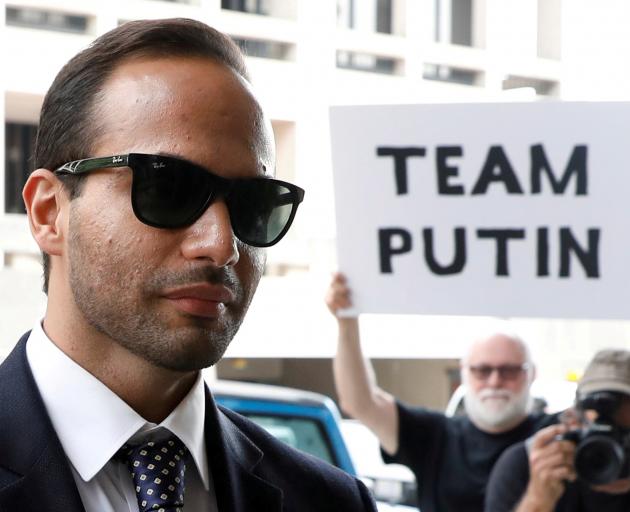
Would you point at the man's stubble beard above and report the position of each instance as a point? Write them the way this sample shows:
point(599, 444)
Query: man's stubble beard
point(125, 311)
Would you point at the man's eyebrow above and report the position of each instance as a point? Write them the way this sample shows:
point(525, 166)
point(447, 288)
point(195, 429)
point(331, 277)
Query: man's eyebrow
point(177, 157)
point(171, 155)
point(263, 167)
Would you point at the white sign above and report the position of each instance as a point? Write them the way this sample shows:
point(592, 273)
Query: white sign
point(485, 209)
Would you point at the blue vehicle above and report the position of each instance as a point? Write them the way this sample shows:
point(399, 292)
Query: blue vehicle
point(302, 419)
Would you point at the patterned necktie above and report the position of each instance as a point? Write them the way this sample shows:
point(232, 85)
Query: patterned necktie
point(157, 468)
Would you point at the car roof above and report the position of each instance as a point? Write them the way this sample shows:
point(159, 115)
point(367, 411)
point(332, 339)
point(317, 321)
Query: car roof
point(249, 390)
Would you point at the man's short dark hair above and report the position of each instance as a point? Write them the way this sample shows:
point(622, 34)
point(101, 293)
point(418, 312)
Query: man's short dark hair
point(68, 124)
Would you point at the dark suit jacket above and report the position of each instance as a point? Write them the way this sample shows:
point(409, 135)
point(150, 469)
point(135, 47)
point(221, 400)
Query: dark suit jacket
point(252, 471)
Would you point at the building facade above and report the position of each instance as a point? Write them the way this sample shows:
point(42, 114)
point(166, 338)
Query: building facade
point(305, 55)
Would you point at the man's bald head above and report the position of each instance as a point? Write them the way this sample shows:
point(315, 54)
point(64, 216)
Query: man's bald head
point(503, 345)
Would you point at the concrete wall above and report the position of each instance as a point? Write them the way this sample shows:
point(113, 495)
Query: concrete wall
point(18, 316)
point(414, 381)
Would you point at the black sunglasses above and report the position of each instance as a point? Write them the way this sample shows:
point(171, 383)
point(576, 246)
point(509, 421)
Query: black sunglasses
point(170, 193)
point(506, 371)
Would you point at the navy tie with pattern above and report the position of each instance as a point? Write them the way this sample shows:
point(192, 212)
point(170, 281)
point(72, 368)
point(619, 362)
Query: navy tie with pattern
point(157, 468)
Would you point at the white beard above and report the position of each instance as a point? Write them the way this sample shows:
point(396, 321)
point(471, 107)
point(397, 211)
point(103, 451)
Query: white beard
point(493, 409)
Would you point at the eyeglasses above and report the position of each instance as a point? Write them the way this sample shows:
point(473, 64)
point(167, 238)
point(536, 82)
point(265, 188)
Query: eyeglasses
point(505, 371)
point(171, 193)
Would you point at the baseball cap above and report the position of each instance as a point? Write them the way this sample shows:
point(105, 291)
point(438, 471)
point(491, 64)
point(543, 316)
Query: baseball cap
point(609, 370)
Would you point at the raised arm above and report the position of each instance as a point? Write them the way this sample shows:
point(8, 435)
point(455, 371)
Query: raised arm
point(359, 394)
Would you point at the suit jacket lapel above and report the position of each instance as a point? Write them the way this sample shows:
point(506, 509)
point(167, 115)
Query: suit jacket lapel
point(233, 459)
point(34, 471)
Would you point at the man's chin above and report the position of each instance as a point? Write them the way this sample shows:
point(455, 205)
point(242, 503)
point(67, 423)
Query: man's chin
point(501, 416)
point(495, 405)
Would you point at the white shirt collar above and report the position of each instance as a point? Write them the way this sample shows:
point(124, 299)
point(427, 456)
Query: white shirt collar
point(92, 422)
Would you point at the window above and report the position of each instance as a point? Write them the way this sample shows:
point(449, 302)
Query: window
point(302, 433)
point(265, 49)
point(19, 145)
point(454, 21)
point(443, 73)
point(275, 8)
point(366, 62)
point(366, 15)
point(461, 22)
point(250, 6)
point(46, 20)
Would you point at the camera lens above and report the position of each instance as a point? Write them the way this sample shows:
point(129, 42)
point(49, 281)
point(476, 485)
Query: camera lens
point(599, 460)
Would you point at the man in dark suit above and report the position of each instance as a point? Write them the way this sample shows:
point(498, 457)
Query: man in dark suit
point(151, 203)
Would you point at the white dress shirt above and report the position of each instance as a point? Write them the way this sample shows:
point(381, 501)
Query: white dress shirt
point(92, 423)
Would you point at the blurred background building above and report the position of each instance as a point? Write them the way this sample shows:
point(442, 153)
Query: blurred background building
point(305, 55)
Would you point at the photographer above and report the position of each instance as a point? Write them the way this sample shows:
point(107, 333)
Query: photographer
point(582, 465)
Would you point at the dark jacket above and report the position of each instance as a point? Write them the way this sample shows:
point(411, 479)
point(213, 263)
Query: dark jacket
point(252, 471)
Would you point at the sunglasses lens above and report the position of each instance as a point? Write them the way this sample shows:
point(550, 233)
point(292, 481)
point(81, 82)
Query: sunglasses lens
point(509, 372)
point(481, 372)
point(169, 193)
point(261, 211)
point(172, 193)
point(506, 372)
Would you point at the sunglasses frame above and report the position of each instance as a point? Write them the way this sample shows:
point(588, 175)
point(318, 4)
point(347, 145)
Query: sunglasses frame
point(505, 371)
point(222, 187)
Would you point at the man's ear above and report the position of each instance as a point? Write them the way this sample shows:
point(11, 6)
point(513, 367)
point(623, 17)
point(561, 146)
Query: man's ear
point(532, 373)
point(43, 196)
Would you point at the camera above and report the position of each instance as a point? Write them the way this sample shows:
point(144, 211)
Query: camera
point(602, 452)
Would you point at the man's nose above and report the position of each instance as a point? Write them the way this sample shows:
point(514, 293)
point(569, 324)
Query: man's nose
point(494, 379)
point(212, 238)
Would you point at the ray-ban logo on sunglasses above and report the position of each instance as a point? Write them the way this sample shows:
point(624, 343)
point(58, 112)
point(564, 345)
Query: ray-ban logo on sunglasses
point(117, 160)
point(158, 165)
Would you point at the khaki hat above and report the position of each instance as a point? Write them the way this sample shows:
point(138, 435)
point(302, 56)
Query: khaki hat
point(609, 370)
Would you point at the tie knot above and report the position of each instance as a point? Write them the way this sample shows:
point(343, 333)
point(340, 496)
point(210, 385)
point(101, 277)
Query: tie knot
point(157, 468)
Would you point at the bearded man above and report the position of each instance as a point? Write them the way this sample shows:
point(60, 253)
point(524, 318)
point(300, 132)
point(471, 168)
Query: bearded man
point(450, 457)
